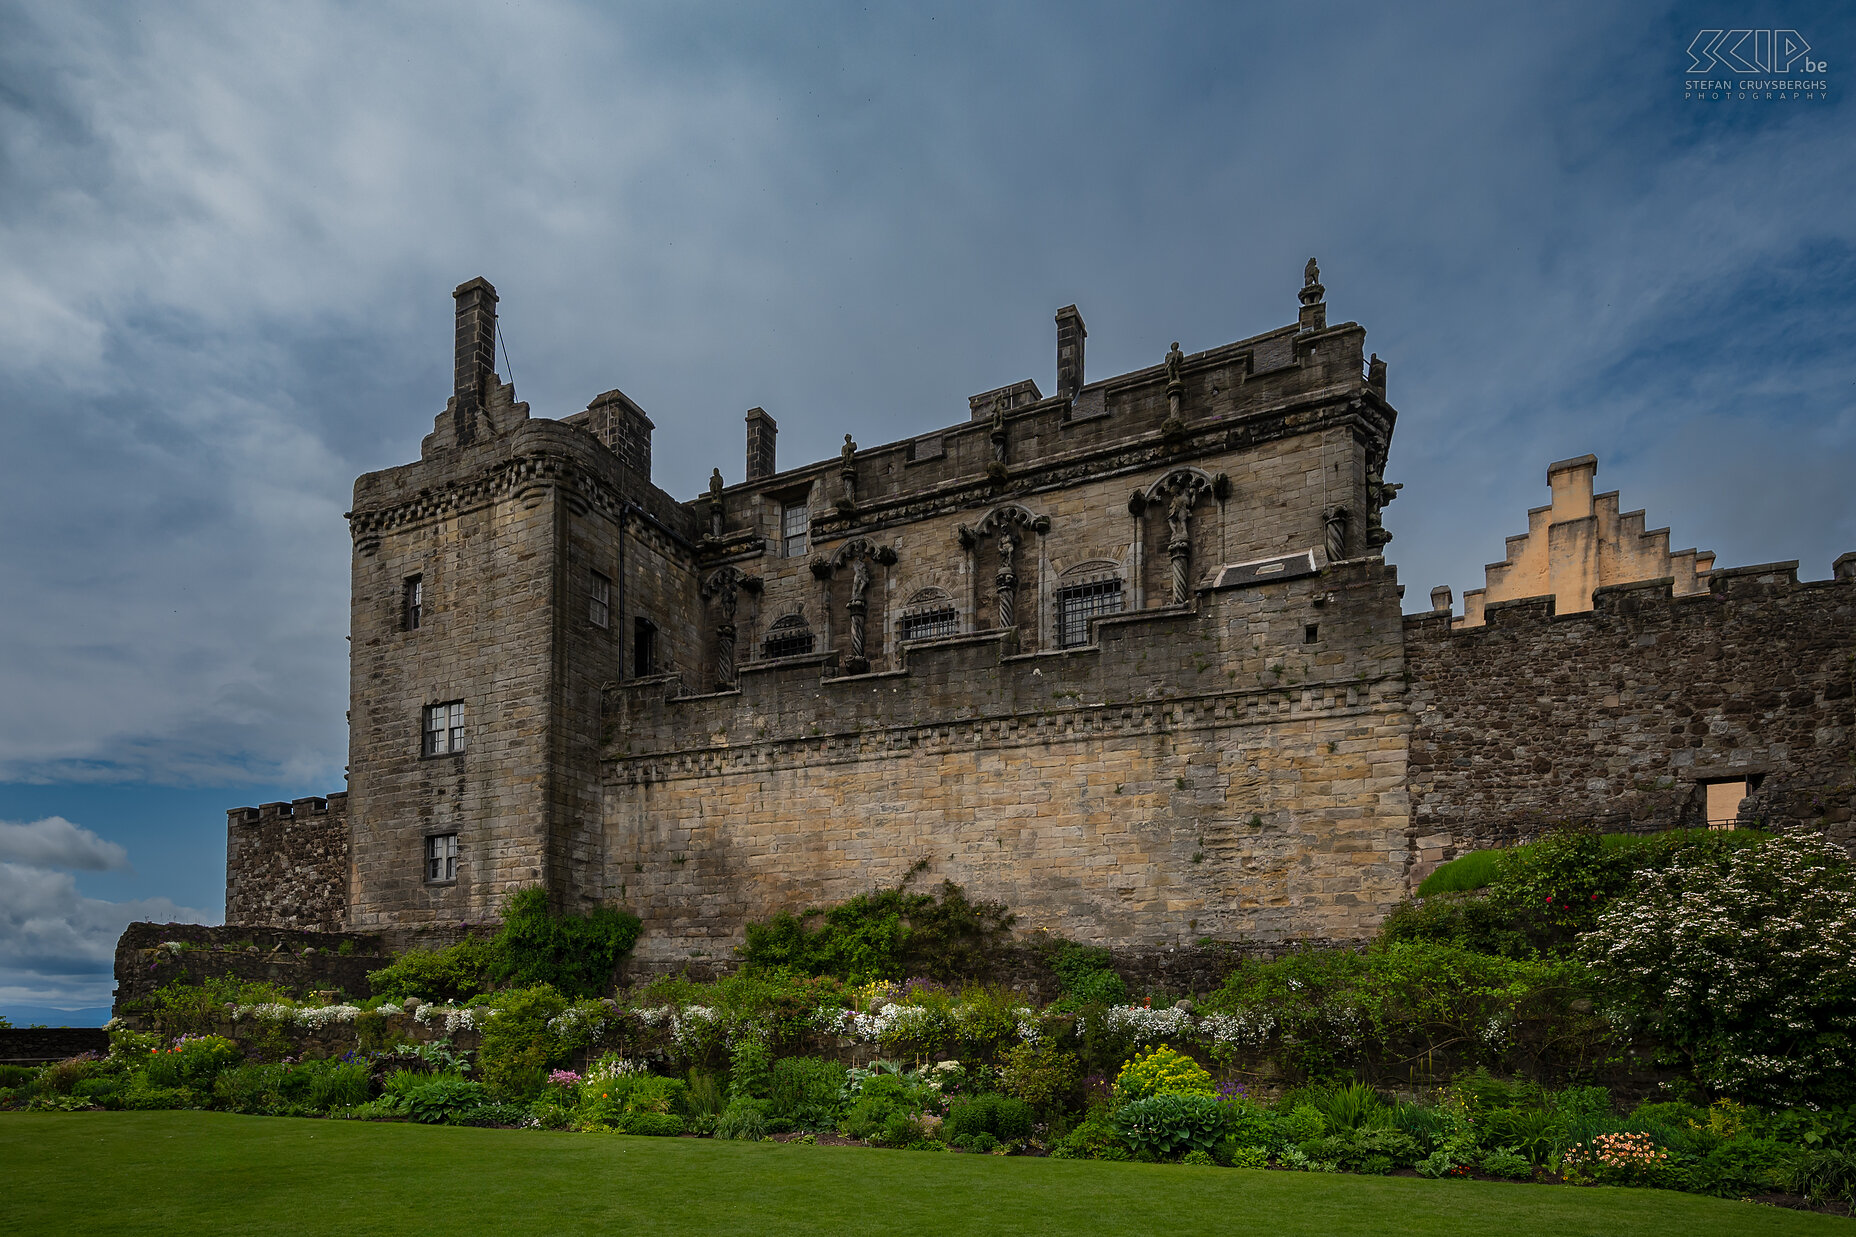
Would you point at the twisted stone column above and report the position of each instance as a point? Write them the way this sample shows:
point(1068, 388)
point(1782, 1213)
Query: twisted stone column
point(725, 656)
point(1182, 567)
point(857, 609)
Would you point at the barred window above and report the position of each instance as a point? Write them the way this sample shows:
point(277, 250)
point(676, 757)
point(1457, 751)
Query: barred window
point(441, 857)
point(1079, 603)
point(599, 602)
point(788, 637)
point(412, 602)
point(929, 623)
point(444, 728)
point(795, 525)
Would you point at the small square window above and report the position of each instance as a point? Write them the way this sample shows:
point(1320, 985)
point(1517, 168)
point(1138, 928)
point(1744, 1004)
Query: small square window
point(444, 728)
point(1723, 801)
point(599, 604)
point(412, 603)
point(1311, 633)
point(795, 527)
point(441, 857)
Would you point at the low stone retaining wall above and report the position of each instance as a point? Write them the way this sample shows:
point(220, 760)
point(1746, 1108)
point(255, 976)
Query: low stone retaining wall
point(153, 955)
point(36, 1045)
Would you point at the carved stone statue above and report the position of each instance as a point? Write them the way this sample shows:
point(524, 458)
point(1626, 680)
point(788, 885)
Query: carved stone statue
point(1376, 372)
point(860, 579)
point(997, 433)
point(1174, 360)
point(715, 504)
point(1178, 516)
point(1005, 584)
point(1311, 274)
point(1378, 494)
point(847, 472)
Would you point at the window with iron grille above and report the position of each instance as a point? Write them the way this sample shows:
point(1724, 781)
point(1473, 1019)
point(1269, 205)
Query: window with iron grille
point(1079, 603)
point(441, 857)
point(412, 603)
point(795, 525)
point(444, 728)
point(788, 637)
point(599, 601)
point(929, 624)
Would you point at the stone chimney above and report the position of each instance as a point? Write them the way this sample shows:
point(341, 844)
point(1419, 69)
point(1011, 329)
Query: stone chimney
point(475, 354)
point(1070, 336)
point(761, 432)
point(1442, 599)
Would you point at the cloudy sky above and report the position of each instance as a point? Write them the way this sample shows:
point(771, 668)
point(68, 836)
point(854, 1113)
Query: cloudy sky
point(228, 236)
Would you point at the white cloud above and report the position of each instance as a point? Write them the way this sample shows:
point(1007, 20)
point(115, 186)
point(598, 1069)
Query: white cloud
point(57, 947)
point(57, 843)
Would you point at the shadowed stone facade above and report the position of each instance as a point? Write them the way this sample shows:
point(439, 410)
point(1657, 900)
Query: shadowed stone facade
point(1126, 658)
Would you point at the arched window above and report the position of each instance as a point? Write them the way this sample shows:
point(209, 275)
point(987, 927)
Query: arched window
point(790, 636)
point(1084, 592)
point(930, 613)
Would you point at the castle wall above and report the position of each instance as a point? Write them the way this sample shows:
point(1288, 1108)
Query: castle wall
point(287, 864)
point(1200, 771)
point(1621, 715)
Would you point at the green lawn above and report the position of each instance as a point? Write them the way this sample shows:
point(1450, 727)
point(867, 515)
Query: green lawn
point(197, 1173)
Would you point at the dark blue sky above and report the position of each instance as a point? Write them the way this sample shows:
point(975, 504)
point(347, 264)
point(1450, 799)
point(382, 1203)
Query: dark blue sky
point(228, 238)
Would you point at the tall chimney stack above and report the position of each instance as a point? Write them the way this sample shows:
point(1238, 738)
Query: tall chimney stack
point(1070, 336)
point(475, 353)
point(761, 431)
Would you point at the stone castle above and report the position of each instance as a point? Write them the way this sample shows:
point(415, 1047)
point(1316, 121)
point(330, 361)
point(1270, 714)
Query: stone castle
point(1126, 657)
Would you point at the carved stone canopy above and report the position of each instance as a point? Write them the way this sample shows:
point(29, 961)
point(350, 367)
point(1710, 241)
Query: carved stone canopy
point(860, 547)
point(1192, 483)
point(729, 578)
point(1011, 515)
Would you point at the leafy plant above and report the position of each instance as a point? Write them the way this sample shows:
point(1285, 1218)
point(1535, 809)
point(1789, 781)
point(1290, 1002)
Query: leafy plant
point(1041, 1074)
point(517, 1046)
point(1087, 976)
point(1741, 961)
point(805, 1092)
point(1168, 1125)
point(1508, 1164)
point(456, 973)
point(1006, 1119)
point(743, 1119)
point(1163, 1071)
point(885, 934)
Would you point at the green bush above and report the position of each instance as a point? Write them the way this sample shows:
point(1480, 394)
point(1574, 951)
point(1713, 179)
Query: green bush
point(1508, 1164)
point(1242, 1156)
point(1041, 1074)
point(805, 1092)
point(574, 954)
point(877, 1100)
point(1166, 1126)
point(1201, 1158)
point(517, 1046)
point(743, 1119)
point(1087, 976)
point(651, 1124)
point(1163, 1071)
point(750, 1069)
point(60, 1077)
point(1740, 959)
point(1824, 1176)
point(142, 1097)
point(1348, 1106)
point(435, 1099)
point(16, 1075)
point(1005, 1118)
point(447, 975)
point(1095, 1138)
point(192, 1062)
point(885, 934)
point(1741, 1167)
point(1301, 1123)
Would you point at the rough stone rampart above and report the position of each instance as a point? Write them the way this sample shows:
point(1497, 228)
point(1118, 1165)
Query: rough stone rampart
point(1620, 715)
point(287, 864)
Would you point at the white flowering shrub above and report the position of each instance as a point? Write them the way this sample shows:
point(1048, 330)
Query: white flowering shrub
point(1747, 963)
